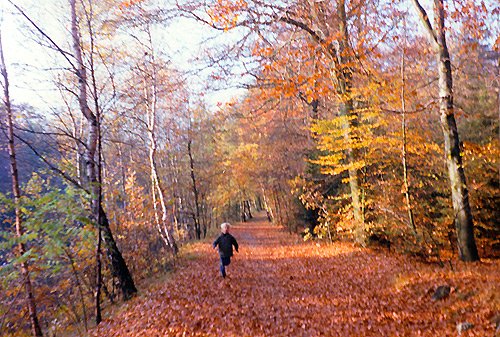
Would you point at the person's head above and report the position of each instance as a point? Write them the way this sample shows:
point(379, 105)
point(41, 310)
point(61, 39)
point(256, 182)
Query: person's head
point(224, 227)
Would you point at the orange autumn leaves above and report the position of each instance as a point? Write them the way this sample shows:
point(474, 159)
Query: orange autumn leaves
point(128, 3)
point(225, 13)
point(280, 286)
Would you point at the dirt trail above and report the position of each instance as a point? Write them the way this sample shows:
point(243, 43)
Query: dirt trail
point(280, 286)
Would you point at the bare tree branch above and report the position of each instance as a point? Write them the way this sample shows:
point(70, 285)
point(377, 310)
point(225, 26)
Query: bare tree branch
point(422, 13)
point(52, 166)
point(59, 49)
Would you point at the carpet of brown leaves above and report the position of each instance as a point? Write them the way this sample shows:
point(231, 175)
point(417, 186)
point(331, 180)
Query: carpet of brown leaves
point(280, 286)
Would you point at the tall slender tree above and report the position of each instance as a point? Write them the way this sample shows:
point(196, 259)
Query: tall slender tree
point(196, 214)
point(404, 151)
point(157, 188)
point(16, 192)
point(118, 265)
point(460, 196)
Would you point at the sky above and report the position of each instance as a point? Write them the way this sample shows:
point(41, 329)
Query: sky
point(27, 60)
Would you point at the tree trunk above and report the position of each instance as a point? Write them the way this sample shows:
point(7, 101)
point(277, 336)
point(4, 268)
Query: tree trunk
point(164, 229)
point(156, 187)
point(195, 192)
point(30, 297)
point(344, 78)
point(97, 208)
point(178, 205)
point(97, 295)
point(460, 196)
point(459, 193)
point(118, 266)
point(123, 178)
point(403, 150)
point(247, 203)
point(79, 286)
point(269, 211)
point(277, 207)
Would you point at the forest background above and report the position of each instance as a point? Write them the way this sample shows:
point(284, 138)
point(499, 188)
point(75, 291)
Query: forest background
point(140, 125)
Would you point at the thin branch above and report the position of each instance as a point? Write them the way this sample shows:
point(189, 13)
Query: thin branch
point(422, 13)
point(424, 108)
point(52, 166)
point(304, 27)
point(62, 133)
point(59, 49)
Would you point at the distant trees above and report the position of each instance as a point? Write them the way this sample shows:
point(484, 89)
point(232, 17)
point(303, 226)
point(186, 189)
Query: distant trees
point(333, 61)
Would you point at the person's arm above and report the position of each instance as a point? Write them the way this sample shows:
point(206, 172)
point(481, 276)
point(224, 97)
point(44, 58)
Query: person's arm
point(235, 244)
point(216, 242)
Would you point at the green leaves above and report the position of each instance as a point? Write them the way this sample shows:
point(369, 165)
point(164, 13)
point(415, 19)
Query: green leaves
point(28, 255)
point(53, 220)
point(59, 241)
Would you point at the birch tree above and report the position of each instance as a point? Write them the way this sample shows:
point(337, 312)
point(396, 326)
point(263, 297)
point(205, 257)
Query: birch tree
point(118, 265)
point(157, 188)
point(460, 196)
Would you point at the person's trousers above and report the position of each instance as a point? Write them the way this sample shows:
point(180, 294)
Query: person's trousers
point(224, 261)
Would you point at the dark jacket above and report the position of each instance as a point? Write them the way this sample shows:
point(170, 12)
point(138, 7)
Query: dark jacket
point(226, 243)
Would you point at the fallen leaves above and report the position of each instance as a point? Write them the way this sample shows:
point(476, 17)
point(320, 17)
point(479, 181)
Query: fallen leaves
point(279, 287)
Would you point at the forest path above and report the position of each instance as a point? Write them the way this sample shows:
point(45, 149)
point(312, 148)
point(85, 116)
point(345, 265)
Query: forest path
point(281, 286)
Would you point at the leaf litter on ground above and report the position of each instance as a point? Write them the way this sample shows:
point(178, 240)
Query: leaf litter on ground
point(281, 286)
